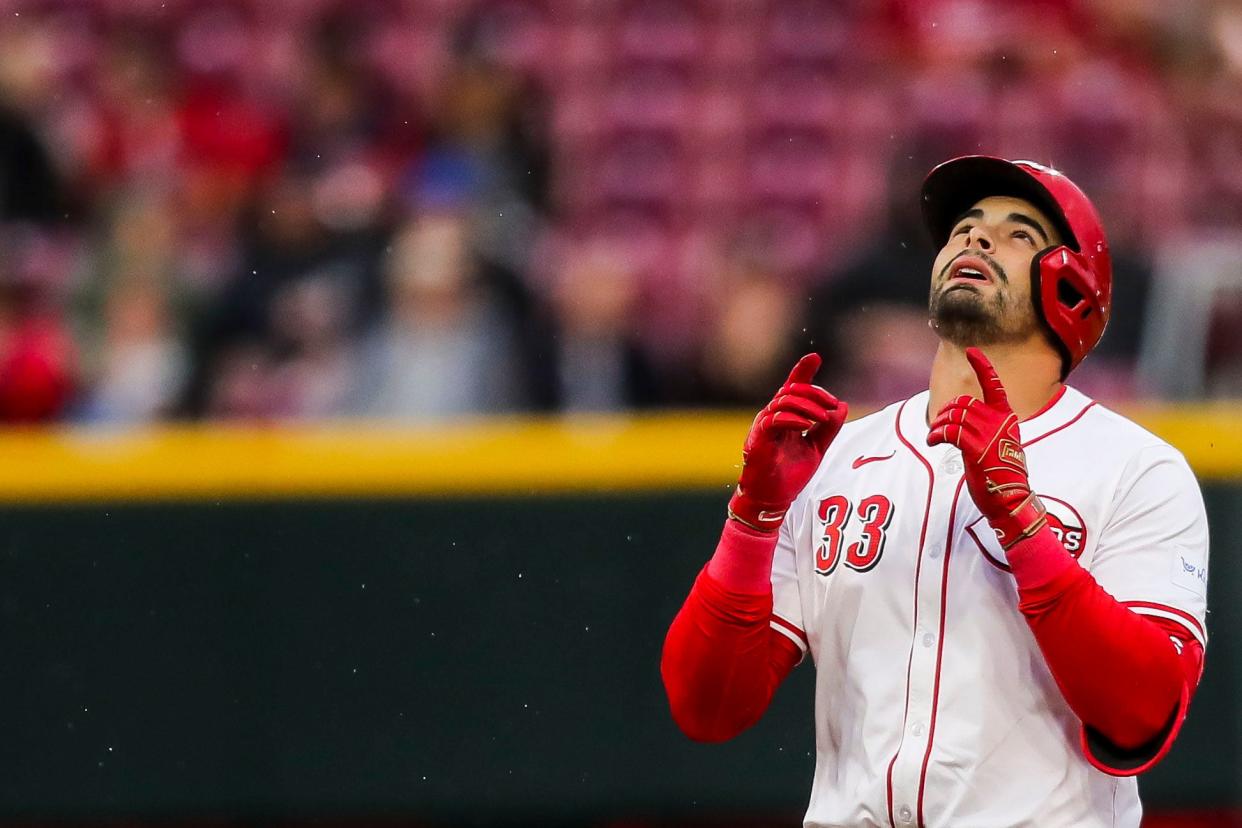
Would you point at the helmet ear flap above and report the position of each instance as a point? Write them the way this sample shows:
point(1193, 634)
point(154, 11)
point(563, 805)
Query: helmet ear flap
point(1061, 285)
point(1039, 291)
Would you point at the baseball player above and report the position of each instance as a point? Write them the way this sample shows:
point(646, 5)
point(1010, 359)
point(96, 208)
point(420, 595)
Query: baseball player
point(1002, 583)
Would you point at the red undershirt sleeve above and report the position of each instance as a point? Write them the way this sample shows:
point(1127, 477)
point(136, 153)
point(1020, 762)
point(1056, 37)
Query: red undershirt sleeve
point(722, 660)
point(1128, 678)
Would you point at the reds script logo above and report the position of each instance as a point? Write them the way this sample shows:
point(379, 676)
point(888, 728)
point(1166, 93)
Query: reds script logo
point(1066, 524)
point(1063, 520)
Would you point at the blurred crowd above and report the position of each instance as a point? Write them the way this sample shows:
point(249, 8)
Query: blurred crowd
point(377, 208)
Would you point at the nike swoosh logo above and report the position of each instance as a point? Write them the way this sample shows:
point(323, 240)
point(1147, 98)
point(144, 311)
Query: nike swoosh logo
point(862, 461)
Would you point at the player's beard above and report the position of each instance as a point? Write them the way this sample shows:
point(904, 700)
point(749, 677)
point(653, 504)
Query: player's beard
point(963, 315)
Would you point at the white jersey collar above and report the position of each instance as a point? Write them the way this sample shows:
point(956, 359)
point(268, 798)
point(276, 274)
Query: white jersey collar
point(1061, 412)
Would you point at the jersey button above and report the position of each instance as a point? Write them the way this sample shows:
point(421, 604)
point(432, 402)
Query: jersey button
point(917, 729)
point(905, 813)
point(952, 465)
point(928, 639)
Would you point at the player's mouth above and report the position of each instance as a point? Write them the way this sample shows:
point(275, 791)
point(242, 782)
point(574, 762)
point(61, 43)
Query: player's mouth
point(969, 270)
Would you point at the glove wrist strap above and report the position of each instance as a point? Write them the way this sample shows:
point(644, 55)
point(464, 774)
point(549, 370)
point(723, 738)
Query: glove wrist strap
point(761, 517)
point(1027, 518)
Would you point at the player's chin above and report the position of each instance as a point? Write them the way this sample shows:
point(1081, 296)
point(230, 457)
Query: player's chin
point(956, 299)
point(962, 316)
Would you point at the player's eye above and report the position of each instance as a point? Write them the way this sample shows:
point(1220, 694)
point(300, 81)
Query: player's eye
point(1025, 236)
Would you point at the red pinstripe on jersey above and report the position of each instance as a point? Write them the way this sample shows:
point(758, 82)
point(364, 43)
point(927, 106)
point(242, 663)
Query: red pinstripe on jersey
point(944, 605)
point(931, 481)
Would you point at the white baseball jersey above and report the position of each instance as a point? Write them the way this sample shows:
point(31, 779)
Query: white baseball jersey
point(933, 703)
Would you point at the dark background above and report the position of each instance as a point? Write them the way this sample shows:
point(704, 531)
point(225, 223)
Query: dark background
point(454, 661)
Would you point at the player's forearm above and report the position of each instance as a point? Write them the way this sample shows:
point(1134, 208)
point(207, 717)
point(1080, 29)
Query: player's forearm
point(1118, 671)
point(743, 559)
point(722, 662)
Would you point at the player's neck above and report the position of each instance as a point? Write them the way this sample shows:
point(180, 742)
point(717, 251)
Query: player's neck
point(1031, 375)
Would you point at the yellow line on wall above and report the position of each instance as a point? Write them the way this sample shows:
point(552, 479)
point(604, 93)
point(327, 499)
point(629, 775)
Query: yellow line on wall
point(499, 456)
point(504, 456)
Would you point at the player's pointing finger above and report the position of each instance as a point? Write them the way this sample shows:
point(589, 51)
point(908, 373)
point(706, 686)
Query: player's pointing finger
point(993, 391)
point(805, 370)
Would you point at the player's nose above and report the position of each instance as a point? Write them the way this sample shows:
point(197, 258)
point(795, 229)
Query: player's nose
point(979, 237)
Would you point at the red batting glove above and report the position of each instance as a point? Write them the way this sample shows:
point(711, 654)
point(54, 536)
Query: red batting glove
point(786, 443)
point(987, 433)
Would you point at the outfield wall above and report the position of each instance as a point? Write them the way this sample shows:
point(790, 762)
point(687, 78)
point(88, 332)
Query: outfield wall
point(455, 625)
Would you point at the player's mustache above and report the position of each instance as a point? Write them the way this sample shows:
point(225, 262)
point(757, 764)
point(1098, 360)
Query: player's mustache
point(996, 268)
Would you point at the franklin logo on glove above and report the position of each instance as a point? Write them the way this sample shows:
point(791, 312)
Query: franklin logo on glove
point(1011, 453)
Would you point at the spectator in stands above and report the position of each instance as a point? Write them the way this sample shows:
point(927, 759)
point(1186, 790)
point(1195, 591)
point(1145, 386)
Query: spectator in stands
point(141, 361)
point(314, 375)
point(446, 346)
point(37, 353)
point(594, 359)
point(750, 327)
point(290, 243)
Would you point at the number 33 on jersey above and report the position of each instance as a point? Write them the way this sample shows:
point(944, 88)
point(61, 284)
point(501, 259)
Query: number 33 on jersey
point(875, 513)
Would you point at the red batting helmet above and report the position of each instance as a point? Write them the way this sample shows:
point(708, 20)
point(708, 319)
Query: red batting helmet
point(1072, 283)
